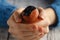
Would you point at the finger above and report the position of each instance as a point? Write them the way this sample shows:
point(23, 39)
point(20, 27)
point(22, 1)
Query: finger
point(41, 23)
point(17, 15)
point(26, 34)
point(36, 37)
point(34, 14)
point(11, 22)
point(32, 37)
point(41, 29)
point(20, 26)
point(42, 35)
point(29, 30)
point(15, 33)
point(41, 12)
point(32, 17)
point(46, 29)
point(27, 27)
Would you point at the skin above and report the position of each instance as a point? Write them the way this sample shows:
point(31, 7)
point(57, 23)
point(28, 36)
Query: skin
point(51, 13)
point(33, 17)
point(32, 31)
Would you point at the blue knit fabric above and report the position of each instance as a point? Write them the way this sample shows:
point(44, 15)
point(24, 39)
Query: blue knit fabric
point(5, 12)
point(56, 6)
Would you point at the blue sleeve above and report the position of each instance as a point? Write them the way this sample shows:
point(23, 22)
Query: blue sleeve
point(56, 7)
point(6, 11)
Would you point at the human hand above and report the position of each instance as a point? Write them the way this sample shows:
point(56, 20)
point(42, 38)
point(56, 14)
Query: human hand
point(26, 31)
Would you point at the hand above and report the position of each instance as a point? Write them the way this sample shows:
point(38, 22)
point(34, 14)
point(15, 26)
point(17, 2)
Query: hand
point(27, 31)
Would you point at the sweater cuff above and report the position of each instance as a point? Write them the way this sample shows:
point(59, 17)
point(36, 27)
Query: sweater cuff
point(8, 12)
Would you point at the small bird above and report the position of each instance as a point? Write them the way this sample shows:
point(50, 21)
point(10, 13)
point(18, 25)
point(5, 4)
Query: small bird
point(30, 15)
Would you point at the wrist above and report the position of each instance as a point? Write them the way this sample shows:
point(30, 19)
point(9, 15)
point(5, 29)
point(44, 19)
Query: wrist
point(50, 15)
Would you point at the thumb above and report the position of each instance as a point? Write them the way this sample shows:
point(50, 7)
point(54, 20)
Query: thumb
point(41, 12)
point(16, 17)
point(34, 14)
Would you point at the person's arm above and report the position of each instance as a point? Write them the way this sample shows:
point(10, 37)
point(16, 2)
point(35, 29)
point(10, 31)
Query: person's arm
point(53, 12)
point(5, 12)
